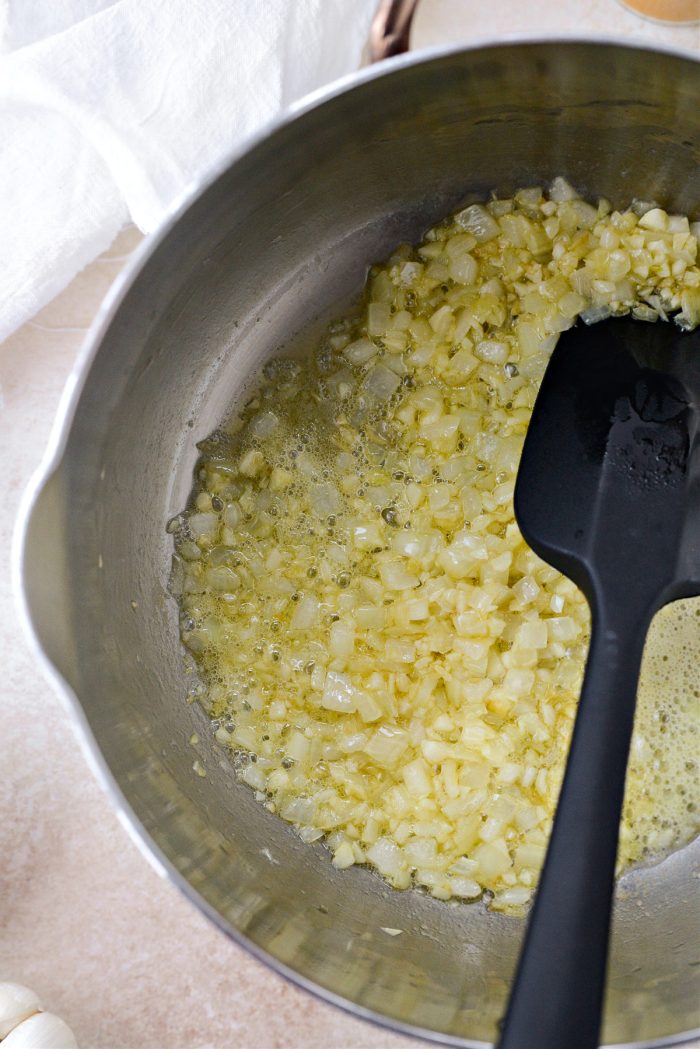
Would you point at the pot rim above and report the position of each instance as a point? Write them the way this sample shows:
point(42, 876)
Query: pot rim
point(53, 457)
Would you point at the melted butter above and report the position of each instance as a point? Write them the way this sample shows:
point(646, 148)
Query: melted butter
point(663, 778)
point(302, 501)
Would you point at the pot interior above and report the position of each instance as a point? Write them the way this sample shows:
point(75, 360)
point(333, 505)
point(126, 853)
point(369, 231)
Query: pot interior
point(278, 243)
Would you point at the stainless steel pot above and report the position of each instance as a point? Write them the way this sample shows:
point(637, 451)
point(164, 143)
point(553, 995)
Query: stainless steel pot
point(254, 258)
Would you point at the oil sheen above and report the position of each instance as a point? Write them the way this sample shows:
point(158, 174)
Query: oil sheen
point(391, 668)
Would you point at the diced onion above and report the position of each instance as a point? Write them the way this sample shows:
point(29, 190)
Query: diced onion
point(477, 221)
point(389, 666)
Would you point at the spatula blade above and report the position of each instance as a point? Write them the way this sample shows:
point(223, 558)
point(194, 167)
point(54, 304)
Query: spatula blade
point(610, 471)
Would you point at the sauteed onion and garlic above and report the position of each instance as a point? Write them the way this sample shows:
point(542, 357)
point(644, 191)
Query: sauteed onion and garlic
point(393, 669)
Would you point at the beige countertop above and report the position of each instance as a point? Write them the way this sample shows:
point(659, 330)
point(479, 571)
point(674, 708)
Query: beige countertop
point(84, 920)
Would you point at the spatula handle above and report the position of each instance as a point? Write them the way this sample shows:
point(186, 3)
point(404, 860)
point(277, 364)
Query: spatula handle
point(557, 996)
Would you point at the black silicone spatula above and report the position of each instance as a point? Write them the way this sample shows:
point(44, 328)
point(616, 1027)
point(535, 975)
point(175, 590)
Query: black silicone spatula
point(608, 492)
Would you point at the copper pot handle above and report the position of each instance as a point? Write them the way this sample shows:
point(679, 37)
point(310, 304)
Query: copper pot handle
point(389, 32)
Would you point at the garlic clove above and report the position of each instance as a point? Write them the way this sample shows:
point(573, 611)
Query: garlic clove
point(16, 1004)
point(41, 1031)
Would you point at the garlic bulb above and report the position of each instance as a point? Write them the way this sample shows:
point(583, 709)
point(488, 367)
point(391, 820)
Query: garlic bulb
point(41, 1031)
point(16, 1004)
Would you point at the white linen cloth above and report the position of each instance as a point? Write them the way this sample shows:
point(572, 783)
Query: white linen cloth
point(109, 109)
